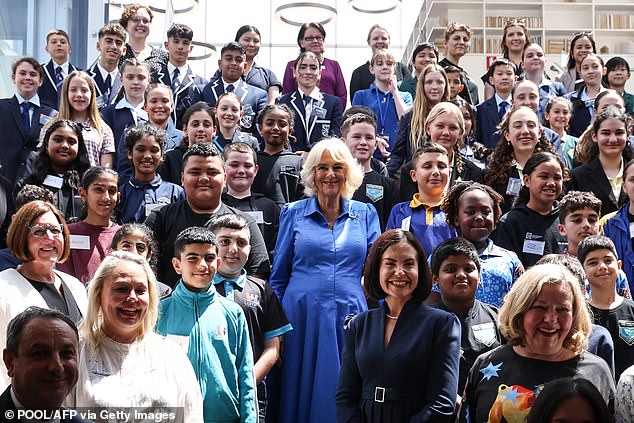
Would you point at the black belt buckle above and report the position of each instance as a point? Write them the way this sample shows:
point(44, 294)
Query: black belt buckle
point(379, 394)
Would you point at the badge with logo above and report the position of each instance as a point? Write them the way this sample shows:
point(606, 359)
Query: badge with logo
point(374, 192)
point(251, 300)
point(484, 333)
point(325, 129)
point(220, 332)
point(626, 331)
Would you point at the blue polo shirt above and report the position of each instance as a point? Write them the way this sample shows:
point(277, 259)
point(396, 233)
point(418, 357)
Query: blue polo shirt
point(138, 199)
point(382, 104)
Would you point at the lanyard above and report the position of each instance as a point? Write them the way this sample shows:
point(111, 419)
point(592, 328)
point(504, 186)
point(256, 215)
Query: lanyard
point(382, 113)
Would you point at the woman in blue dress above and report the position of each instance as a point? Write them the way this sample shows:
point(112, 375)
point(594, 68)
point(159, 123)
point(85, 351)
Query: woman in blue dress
point(321, 247)
point(400, 361)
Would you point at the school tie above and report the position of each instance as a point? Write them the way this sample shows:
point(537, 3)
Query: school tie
point(59, 78)
point(25, 107)
point(108, 85)
point(175, 83)
point(502, 110)
point(230, 88)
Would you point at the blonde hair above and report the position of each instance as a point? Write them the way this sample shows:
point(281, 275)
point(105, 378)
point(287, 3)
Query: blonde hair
point(421, 107)
point(525, 291)
point(340, 153)
point(65, 110)
point(382, 54)
point(90, 327)
point(449, 108)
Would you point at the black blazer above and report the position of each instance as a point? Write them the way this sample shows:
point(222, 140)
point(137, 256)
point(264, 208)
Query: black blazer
point(48, 91)
point(15, 145)
point(253, 97)
point(307, 133)
point(591, 177)
point(100, 86)
point(6, 405)
point(187, 93)
point(487, 120)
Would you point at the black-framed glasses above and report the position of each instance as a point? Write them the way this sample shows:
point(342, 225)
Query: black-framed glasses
point(39, 231)
point(140, 20)
point(311, 39)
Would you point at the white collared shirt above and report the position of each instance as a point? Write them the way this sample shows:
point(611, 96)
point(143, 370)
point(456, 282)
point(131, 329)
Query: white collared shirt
point(235, 84)
point(499, 99)
point(182, 71)
point(64, 67)
point(33, 100)
point(104, 73)
point(137, 112)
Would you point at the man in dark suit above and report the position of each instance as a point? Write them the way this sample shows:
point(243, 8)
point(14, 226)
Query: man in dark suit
point(58, 68)
point(186, 87)
point(41, 357)
point(22, 118)
point(105, 72)
point(490, 112)
point(232, 65)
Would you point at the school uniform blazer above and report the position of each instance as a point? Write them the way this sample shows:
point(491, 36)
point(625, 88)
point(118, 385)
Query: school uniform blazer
point(547, 90)
point(487, 120)
point(591, 177)
point(100, 85)
point(48, 91)
point(308, 132)
point(580, 116)
point(251, 96)
point(187, 93)
point(117, 119)
point(15, 145)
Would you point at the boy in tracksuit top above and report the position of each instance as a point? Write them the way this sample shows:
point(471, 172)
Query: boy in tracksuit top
point(212, 329)
point(266, 319)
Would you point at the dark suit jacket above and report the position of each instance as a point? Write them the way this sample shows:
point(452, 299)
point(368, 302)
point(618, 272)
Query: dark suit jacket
point(48, 91)
point(581, 117)
point(188, 92)
point(487, 120)
point(307, 133)
point(591, 177)
point(15, 145)
point(252, 97)
point(100, 85)
point(118, 120)
point(6, 404)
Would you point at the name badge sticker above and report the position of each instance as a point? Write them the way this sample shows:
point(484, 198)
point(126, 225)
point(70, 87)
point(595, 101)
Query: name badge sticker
point(44, 119)
point(80, 242)
point(406, 223)
point(257, 216)
point(533, 247)
point(101, 101)
point(513, 187)
point(150, 207)
point(318, 112)
point(53, 181)
point(632, 230)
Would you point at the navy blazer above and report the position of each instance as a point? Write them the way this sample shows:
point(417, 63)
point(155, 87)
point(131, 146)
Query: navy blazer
point(252, 97)
point(118, 120)
point(307, 133)
point(581, 116)
point(48, 91)
point(591, 177)
point(188, 92)
point(14, 143)
point(547, 90)
point(487, 120)
point(100, 86)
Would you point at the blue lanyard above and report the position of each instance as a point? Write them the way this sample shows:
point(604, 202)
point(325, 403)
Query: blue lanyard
point(382, 114)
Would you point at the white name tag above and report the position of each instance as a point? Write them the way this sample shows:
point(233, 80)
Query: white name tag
point(80, 242)
point(53, 181)
point(44, 119)
point(150, 207)
point(180, 340)
point(513, 187)
point(257, 216)
point(632, 230)
point(406, 223)
point(533, 247)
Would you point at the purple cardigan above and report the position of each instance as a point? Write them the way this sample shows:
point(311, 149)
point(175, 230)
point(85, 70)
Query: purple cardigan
point(331, 81)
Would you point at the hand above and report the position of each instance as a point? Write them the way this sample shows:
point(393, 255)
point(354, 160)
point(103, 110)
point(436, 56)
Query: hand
point(382, 145)
point(393, 84)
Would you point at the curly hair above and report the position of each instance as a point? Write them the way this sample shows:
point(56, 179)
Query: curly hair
point(451, 203)
point(129, 11)
point(501, 162)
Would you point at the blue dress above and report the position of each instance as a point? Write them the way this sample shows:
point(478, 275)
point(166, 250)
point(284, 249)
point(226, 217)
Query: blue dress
point(417, 374)
point(317, 276)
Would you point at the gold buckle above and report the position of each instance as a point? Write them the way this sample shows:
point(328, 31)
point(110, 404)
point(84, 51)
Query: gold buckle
point(379, 394)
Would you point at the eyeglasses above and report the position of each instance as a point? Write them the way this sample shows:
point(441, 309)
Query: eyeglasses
point(140, 20)
point(311, 39)
point(39, 231)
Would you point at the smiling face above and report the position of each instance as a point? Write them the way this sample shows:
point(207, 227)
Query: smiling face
point(611, 138)
point(434, 87)
point(313, 41)
point(515, 39)
point(534, 59)
point(135, 80)
point(547, 323)
point(458, 278)
point(241, 170)
point(199, 128)
point(136, 243)
point(101, 195)
point(379, 39)
point(425, 57)
point(62, 148)
point(145, 156)
point(232, 64)
point(307, 73)
point(47, 249)
point(618, 76)
point(444, 130)
point(544, 185)
point(197, 265)
point(275, 129)
point(79, 94)
point(475, 219)
point(524, 132)
point(383, 69)
point(124, 301)
point(233, 250)
point(228, 112)
point(431, 173)
point(581, 49)
point(558, 117)
point(203, 179)
point(138, 25)
point(110, 48)
point(27, 80)
point(251, 42)
point(330, 176)
point(592, 70)
point(458, 44)
point(398, 271)
point(159, 105)
point(45, 369)
point(602, 268)
point(579, 225)
point(178, 49)
point(361, 141)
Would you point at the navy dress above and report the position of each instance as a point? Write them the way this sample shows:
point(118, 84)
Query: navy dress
point(416, 376)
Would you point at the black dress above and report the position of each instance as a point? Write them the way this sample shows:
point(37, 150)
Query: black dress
point(414, 379)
